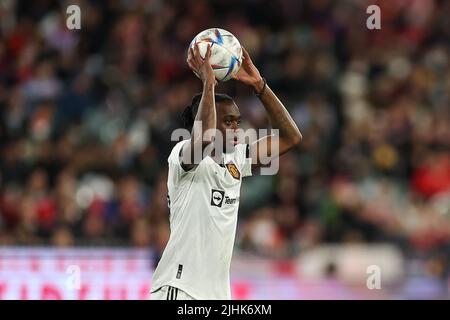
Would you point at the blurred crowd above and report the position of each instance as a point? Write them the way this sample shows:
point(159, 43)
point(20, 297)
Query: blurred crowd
point(86, 117)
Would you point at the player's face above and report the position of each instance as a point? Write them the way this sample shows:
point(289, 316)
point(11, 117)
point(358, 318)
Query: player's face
point(228, 121)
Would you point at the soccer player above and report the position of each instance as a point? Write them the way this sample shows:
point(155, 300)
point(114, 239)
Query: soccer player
point(204, 195)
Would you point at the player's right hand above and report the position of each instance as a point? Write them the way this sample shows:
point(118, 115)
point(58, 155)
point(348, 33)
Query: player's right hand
point(201, 66)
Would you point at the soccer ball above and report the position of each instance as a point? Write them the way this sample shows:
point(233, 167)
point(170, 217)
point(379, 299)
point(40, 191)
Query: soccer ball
point(226, 51)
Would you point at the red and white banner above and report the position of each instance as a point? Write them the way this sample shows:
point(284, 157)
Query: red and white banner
point(125, 274)
point(36, 274)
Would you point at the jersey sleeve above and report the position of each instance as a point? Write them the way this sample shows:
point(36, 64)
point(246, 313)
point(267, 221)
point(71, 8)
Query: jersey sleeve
point(176, 171)
point(243, 159)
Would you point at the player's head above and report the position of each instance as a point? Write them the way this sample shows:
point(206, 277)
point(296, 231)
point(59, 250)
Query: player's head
point(227, 114)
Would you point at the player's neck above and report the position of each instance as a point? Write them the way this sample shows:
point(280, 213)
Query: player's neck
point(218, 155)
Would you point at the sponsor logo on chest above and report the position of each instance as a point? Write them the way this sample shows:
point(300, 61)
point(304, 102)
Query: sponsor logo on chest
point(218, 198)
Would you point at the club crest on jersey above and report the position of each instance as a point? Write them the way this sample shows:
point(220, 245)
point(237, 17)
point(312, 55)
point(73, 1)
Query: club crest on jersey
point(233, 170)
point(217, 197)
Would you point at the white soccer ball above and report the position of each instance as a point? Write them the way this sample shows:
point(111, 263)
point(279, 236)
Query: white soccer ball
point(226, 51)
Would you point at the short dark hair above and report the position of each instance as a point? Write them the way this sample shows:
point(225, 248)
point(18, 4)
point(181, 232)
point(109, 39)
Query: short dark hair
point(190, 111)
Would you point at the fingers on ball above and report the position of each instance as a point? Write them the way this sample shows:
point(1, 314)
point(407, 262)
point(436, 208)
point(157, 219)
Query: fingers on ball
point(197, 52)
point(245, 53)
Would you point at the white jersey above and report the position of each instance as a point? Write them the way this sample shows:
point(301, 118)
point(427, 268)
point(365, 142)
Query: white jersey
point(203, 216)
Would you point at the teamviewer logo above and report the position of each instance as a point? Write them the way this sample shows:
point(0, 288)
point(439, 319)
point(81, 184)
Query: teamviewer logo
point(217, 197)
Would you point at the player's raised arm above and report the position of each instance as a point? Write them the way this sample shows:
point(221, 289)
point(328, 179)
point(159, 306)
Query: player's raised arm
point(203, 130)
point(289, 134)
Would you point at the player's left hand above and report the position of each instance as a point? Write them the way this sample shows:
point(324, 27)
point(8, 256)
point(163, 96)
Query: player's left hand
point(249, 74)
